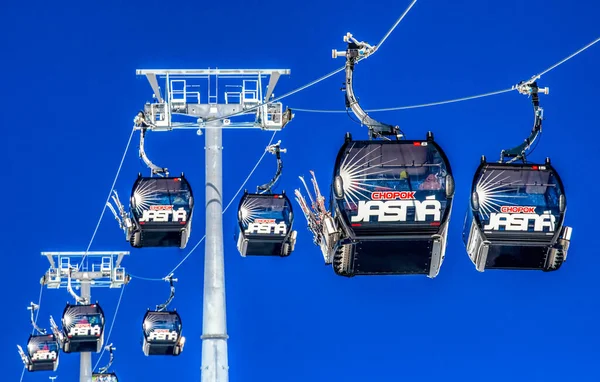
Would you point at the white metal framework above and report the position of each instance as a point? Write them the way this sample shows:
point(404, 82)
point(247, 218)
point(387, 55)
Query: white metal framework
point(105, 270)
point(208, 99)
point(213, 93)
point(67, 271)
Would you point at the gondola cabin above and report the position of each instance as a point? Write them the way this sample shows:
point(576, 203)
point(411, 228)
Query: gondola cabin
point(516, 217)
point(161, 209)
point(391, 200)
point(43, 352)
point(162, 332)
point(104, 377)
point(83, 328)
point(265, 225)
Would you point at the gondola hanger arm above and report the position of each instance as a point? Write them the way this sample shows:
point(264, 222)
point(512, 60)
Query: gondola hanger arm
point(110, 349)
point(355, 52)
point(530, 89)
point(276, 150)
point(33, 307)
point(142, 123)
point(171, 280)
point(79, 299)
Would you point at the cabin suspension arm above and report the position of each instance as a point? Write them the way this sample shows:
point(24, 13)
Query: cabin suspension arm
point(528, 88)
point(273, 149)
point(141, 122)
point(110, 349)
point(355, 52)
point(33, 307)
point(79, 299)
point(170, 279)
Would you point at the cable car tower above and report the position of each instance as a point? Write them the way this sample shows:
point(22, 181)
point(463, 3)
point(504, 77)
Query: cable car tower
point(207, 99)
point(69, 270)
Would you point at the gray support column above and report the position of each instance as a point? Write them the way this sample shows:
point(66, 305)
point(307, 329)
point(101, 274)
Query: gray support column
point(85, 359)
point(214, 326)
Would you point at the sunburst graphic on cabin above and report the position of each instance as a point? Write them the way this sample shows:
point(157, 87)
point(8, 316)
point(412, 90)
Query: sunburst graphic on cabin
point(354, 173)
point(249, 210)
point(144, 196)
point(492, 191)
point(158, 321)
point(71, 317)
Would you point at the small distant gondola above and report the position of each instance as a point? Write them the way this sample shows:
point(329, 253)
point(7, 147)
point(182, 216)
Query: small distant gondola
point(160, 206)
point(162, 212)
point(43, 349)
point(517, 210)
point(162, 333)
point(42, 353)
point(265, 219)
point(516, 217)
point(83, 328)
point(162, 329)
point(265, 225)
point(104, 377)
point(391, 198)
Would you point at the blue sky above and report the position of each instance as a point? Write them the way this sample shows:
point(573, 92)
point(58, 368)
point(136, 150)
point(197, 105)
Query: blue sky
point(70, 94)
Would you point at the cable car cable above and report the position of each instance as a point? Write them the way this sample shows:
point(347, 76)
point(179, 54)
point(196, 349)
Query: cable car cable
point(111, 326)
point(239, 113)
point(395, 25)
point(330, 74)
point(457, 99)
point(104, 369)
point(108, 198)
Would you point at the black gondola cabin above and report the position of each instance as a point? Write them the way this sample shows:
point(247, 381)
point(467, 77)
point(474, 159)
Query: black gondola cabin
point(516, 216)
point(162, 333)
point(265, 225)
point(83, 328)
point(104, 377)
point(43, 352)
point(162, 212)
point(392, 202)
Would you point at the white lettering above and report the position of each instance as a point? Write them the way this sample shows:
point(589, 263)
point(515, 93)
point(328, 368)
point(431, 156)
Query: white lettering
point(267, 228)
point(85, 330)
point(163, 336)
point(44, 356)
point(520, 222)
point(396, 210)
point(162, 216)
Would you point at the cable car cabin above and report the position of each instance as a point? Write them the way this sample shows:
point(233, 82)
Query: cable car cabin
point(162, 333)
point(83, 328)
point(516, 216)
point(392, 202)
point(104, 377)
point(265, 225)
point(162, 212)
point(42, 351)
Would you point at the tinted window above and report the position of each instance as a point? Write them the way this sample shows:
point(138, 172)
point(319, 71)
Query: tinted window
point(518, 199)
point(167, 321)
point(265, 215)
point(397, 183)
point(161, 200)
